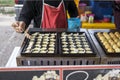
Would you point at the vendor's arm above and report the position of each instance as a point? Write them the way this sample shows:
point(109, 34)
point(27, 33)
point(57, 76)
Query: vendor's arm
point(71, 7)
point(26, 15)
point(27, 12)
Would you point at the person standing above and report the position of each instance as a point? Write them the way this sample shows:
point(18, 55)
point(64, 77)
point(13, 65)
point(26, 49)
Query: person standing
point(46, 14)
point(116, 8)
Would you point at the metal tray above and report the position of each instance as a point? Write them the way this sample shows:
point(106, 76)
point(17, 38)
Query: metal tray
point(115, 54)
point(83, 34)
point(30, 54)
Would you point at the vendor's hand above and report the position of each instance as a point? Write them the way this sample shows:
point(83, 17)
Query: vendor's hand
point(19, 26)
point(27, 35)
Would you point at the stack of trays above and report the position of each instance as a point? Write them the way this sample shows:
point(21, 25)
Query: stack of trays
point(50, 44)
point(75, 44)
point(110, 42)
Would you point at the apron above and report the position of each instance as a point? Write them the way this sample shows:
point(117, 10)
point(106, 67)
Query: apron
point(54, 17)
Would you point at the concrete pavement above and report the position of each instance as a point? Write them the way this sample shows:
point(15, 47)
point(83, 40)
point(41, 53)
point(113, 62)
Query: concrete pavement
point(8, 38)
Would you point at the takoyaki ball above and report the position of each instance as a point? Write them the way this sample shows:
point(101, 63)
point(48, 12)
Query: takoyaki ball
point(80, 49)
point(84, 40)
point(63, 37)
point(70, 37)
point(42, 51)
point(34, 34)
point(70, 34)
point(42, 35)
point(82, 34)
point(39, 37)
point(72, 43)
point(99, 34)
point(65, 43)
point(117, 33)
point(65, 52)
point(33, 39)
point(38, 46)
point(50, 51)
point(78, 40)
point(76, 37)
point(112, 43)
point(110, 50)
point(51, 45)
point(29, 47)
point(72, 49)
point(52, 37)
point(76, 34)
point(44, 46)
point(45, 43)
point(107, 37)
point(102, 38)
point(85, 43)
point(81, 52)
point(105, 33)
point(31, 44)
point(115, 46)
point(89, 51)
point(65, 49)
point(79, 46)
point(73, 52)
point(107, 46)
point(64, 46)
point(63, 33)
point(111, 34)
point(116, 40)
point(53, 34)
point(46, 40)
point(82, 37)
point(64, 40)
point(46, 34)
point(70, 40)
point(35, 51)
point(105, 43)
point(72, 46)
point(118, 44)
point(78, 43)
point(39, 40)
point(117, 50)
point(86, 46)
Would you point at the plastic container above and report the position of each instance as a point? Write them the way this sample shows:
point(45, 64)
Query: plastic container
point(74, 23)
point(82, 8)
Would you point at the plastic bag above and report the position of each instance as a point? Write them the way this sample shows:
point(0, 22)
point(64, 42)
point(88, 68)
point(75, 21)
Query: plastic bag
point(74, 23)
